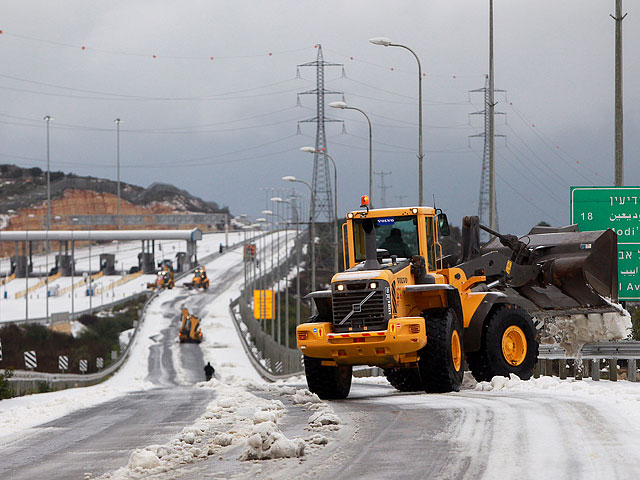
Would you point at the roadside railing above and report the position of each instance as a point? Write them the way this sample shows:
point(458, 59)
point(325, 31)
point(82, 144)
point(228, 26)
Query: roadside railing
point(552, 360)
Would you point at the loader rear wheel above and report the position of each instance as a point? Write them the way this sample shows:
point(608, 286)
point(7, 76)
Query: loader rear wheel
point(442, 359)
point(404, 379)
point(508, 346)
point(329, 383)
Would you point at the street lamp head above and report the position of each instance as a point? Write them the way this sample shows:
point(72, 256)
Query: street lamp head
point(267, 212)
point(289, 178)
point(276, 199)
point(308, 149)
point(117, 120)
point(340, 105)
point(48, 118)
point(384, 41)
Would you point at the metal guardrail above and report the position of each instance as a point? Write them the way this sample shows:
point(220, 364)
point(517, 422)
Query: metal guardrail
point(260, 347)
point(589, 360)
point(622, 350)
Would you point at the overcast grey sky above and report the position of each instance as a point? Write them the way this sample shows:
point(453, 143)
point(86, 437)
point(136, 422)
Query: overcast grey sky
point(225, 127)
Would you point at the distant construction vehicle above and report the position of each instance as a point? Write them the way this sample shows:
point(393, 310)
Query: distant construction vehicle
point(200, 279)
point(163, 280)
point(402, 306)
point(190, 328)
point(249, 252)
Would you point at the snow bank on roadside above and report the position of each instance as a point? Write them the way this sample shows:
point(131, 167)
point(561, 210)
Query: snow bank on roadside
point(236, 417)
point(624, 395)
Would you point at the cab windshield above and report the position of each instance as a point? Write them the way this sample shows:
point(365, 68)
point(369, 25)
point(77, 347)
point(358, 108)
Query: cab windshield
point(396, 235)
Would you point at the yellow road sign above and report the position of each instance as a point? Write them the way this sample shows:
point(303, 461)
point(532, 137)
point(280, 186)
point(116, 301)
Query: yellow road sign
point(263, 304)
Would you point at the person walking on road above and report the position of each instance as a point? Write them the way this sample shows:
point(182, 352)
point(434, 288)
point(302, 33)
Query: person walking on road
point(209, 371)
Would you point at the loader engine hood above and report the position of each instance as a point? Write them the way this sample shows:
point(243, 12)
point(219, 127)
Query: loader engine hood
point(361, 301)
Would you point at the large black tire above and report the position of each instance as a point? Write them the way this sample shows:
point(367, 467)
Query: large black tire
point(493, 358)
point(404, 379)
point(329, 383)
point(441, 363)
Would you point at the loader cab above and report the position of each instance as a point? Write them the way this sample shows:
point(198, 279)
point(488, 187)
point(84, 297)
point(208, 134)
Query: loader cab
point(400, 234)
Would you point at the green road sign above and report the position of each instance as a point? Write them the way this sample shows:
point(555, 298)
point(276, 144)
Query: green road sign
point(616, 208)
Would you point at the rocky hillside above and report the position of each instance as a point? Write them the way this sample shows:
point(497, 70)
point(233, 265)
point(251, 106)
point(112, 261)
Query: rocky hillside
point(24, 188)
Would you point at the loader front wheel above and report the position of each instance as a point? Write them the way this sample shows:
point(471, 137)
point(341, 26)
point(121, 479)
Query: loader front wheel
point(404, 379)
point(508, 346)
point(441, 363)
point(329, 383)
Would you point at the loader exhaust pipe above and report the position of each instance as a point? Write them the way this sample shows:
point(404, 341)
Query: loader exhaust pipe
point(370, 246)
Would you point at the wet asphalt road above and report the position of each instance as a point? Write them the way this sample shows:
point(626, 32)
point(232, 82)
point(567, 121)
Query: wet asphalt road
point(100, 439)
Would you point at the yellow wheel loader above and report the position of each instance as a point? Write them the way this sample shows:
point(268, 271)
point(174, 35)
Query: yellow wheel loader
point(401, 306)
point(200, 279)
point(164, 279)
point(190, 328)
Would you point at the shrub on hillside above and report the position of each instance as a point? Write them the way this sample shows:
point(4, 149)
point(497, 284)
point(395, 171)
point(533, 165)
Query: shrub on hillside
point(5, 387)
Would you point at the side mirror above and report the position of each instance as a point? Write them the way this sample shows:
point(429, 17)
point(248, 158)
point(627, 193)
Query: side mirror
point(443, 225)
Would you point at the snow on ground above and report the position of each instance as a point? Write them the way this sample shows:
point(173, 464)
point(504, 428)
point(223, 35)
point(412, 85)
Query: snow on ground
point(623, 396)
point(20, 413)
point(237, 417)
point(221, 344)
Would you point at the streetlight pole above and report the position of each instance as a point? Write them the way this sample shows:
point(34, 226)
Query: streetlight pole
point(290, 178)
point(117, 121)
point(275, 274)
point(286, 337)
point(335, 197)
point(387, 43)
point(46, 258)
point(343, 106)
point(27, 254)
point(279, 337)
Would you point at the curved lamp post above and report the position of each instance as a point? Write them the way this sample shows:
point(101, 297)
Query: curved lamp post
point(385, 42)
point(286, 337)
point(335, 202)
point(344, 106)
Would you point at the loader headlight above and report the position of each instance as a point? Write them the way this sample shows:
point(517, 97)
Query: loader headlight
point(414, 210)
point(349, 215)
point(340, 287)
point(373, 285)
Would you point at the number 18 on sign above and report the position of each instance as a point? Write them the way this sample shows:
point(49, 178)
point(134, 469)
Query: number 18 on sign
point(618, 209)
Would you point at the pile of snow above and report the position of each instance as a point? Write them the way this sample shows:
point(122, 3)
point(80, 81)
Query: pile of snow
point(77, 328)
point(267, 441)
point(236, 417)
point(572, 332)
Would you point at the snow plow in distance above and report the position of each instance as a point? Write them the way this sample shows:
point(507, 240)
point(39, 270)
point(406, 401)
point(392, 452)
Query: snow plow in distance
point(189, 331)
point(200, 279)
point(164, 279)
point(401, 306)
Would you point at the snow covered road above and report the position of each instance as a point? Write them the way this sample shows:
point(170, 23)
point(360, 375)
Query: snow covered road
point(154, 420)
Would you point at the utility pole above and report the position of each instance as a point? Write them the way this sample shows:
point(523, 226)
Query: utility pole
point(493, 224)
point(619, 145)
point(117, 122)
point(383, 188)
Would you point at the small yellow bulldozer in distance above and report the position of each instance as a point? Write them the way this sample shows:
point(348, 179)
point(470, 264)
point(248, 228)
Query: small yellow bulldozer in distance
point(164, 279)
point(401, 306)
point(200, 279)
point(189, 331)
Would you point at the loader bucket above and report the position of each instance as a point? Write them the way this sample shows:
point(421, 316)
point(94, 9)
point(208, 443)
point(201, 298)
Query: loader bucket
point(582, 266)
